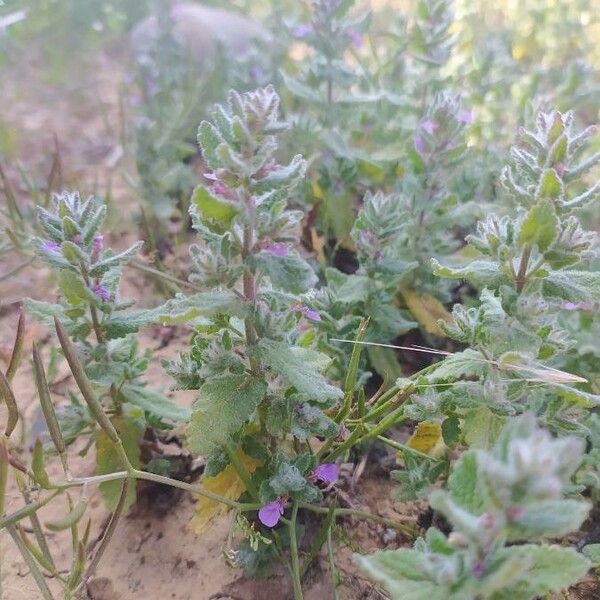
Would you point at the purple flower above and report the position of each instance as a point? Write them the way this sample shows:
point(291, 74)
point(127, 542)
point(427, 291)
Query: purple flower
point(327, 473)
point(257, 72)
point(429, 126)
point(576, 306)
point(270, 514)
point(277, 249)
point(464, 116)
point(97, 244)
point(50, 246)
point(310, 314)
point(355, 36)
point(101, 291)
point(418, 144)
point(303, 30)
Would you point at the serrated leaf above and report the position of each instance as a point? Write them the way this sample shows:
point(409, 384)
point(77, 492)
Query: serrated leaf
point(204, 304)
point(290, 273)
point(155, 403)
point(575, 286)
point(108, 461)
point(551, 569)
point(290, 364)
point(401, 572)
point(226, 484)
point(463, 484)
point(468, 363)
point(224, 405)
point(550, 186)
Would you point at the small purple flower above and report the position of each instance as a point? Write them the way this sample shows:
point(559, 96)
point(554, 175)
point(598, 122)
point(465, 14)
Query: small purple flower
point(576, 306)
point(211, 176)
point(327, 473)
point(277, 249)
point(50, 246)
point(78, 239)
point(355, 37)
point(310, 313)
point(429, 126)
point(97, 244)
point(101, 291)
point(464, 116)
point(418, 144)
point(302, 31)
point(257, 72)
point(270, 514)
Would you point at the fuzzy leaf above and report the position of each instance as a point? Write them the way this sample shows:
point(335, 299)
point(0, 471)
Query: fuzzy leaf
point(155, 403)
point(213, 208)
point(291, 364)
point(575, 286)
point(540, 226)
point(290, 273)
point(225, 403)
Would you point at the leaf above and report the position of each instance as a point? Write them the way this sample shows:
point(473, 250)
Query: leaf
point(482, 427)
point(290, 273)
point(291, 364)
point(108, 461)
point(224, 405)
point(426, 438)
point(592, 551)
point(540, 226)
point(226, 484)
point(204, 304)
point(463, 484)
point(155, 403)
point(550, 518)
point(551, 569)
point(427, 310)
point(72, 287)
point(400, 572)
point(575, 286)
point(479, 272)
point(101, 267)
point(213, 208)
point(468, 363)
point(451, 430)
point(348, 288)
point(551, 186)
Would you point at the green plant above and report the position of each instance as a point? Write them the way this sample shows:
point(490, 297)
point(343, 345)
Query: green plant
point(502, 504)
point(103, 330)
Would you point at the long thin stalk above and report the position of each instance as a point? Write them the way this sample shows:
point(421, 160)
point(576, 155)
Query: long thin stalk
point(332, 569)
point(297, 584)
point(33, 568)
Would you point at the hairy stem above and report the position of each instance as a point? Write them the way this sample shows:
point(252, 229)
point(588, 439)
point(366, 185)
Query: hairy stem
point(297, 584)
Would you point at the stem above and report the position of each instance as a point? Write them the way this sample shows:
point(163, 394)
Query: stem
point(361, 514)
point(522, 274)
point(332, 569)
point(297, 584)
point(162, 275)
point(110, 529)
point(33, 568)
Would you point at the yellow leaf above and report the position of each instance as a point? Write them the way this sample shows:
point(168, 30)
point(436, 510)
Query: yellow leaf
point(317, 190)
point(227, 484)
point(427, 310)
point(318, 245)
point(427, 438)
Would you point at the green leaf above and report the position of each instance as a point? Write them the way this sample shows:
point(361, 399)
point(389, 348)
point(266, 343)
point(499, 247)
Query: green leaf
point(291, 364)
point(224, 405)
point(479, 272)
point(592, 551)
point(550, 518)
point(348, 288)
point(540, 227)
point(385, 362)
point(401, 572)
point(575, 286)
point(108, 461)
point(551, 569)
point(451, 430)
point(204, 304)
point(154, 403)
point(468, 363)
point(209, 140)
point(102, 266)
point(463, 484)
point(550, 186)
point(290, 273)
point(482, 427)
point(72, 287)
point(213, 208)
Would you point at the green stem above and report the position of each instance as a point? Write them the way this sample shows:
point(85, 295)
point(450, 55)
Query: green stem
point(522, 274)
point(297, 584)
point(332, 569)
point(35, 571)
